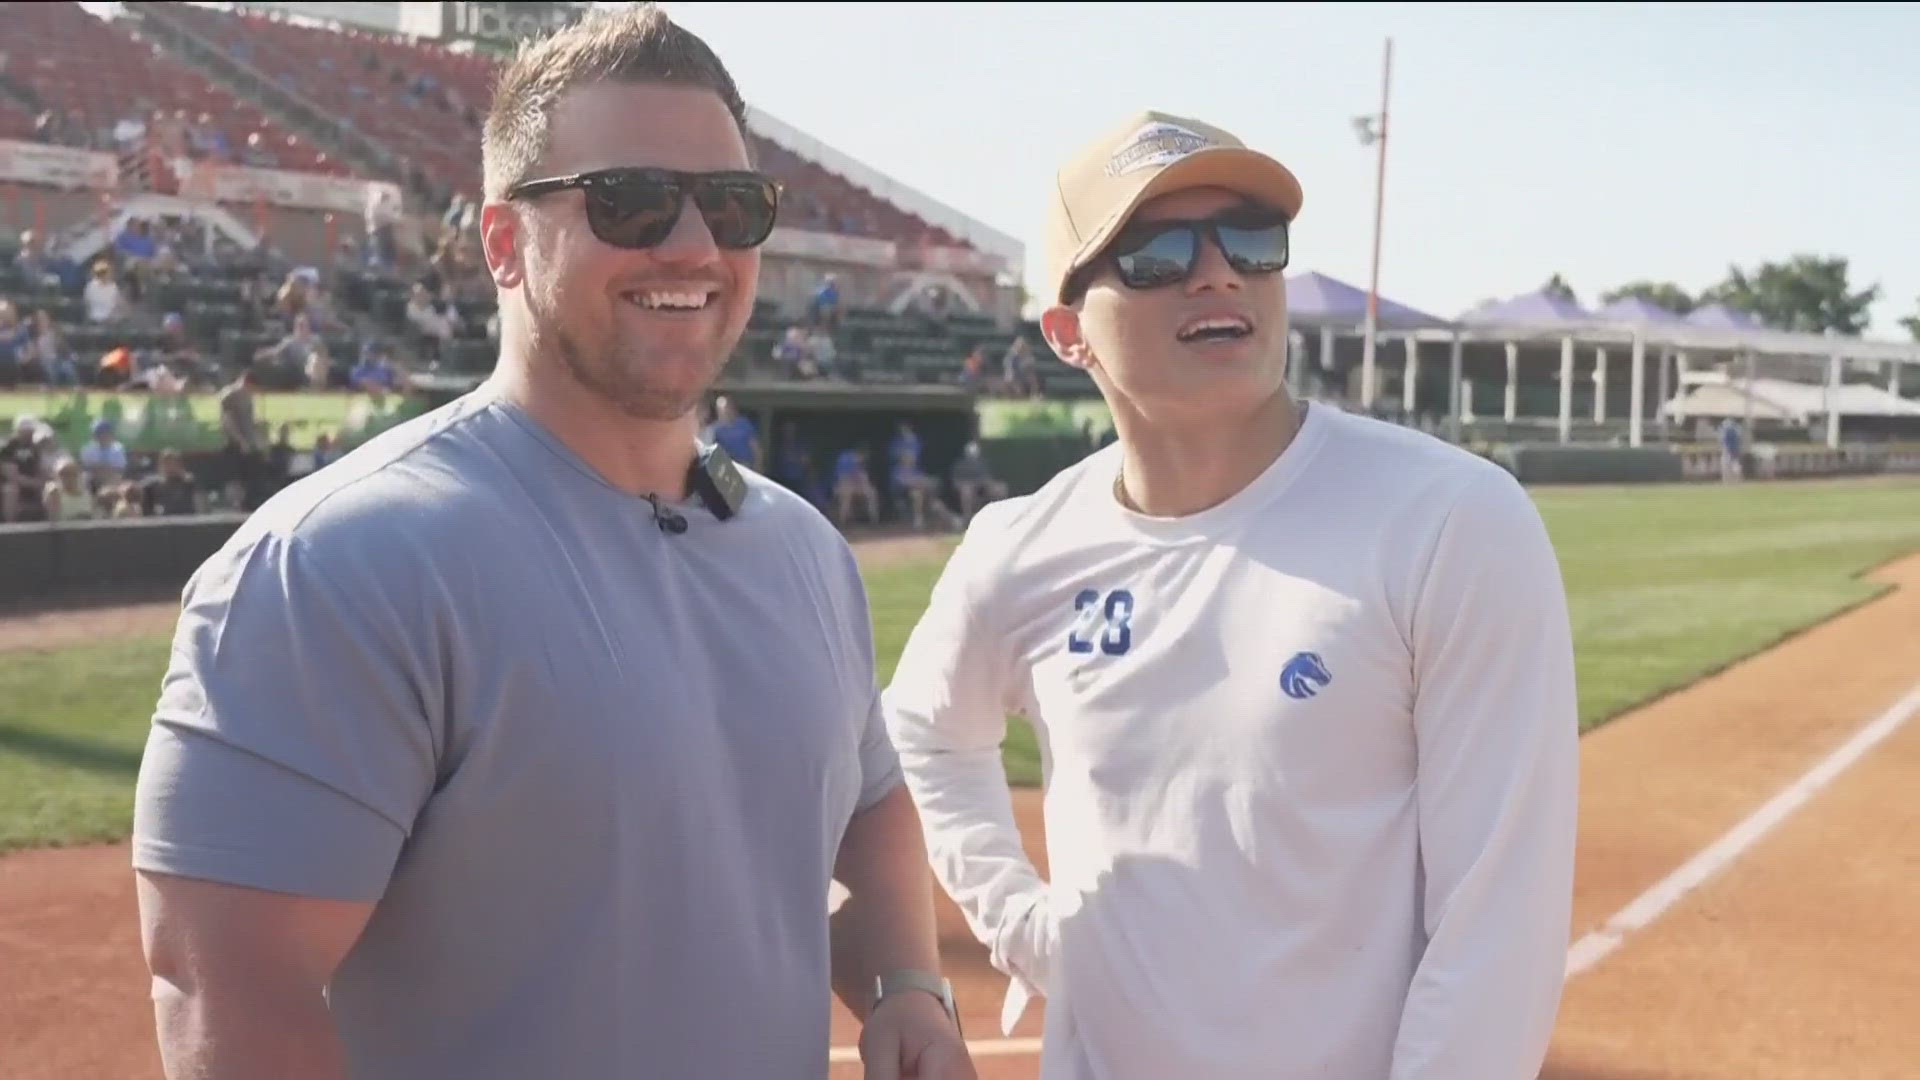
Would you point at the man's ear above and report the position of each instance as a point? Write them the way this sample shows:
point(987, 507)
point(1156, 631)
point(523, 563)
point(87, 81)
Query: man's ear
point(500, 242)
point(1061, 327)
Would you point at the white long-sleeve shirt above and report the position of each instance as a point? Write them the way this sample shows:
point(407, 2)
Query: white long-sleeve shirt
point(1310, 760)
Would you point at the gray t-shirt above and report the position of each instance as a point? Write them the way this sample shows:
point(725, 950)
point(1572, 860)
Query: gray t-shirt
point(594, 775)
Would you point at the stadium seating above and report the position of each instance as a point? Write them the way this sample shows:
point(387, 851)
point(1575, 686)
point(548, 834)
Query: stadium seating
point(389, 90)
point(423, 103)
point(395, 92)
point(75, 65)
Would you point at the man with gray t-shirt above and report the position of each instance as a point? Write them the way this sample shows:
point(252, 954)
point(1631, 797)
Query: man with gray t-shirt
point(508, 746)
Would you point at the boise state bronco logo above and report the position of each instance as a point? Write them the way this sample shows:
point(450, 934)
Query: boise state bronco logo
point(1304, 675)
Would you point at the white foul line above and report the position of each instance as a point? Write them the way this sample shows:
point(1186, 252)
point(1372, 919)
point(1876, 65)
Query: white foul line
point(1598, 944)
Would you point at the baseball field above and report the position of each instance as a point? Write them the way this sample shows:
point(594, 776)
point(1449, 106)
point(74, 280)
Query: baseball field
point(1748, 897)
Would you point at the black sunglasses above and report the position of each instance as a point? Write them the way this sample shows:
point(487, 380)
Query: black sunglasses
point(637, 208)
point(1151, 255)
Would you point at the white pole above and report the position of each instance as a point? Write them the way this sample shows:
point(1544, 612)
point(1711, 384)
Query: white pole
point(1566, 390)
point(1638, 393)
point(1511, 406)
point(1600, 387)
point(1379, 214)
point(1833, 401)
point(1408, 391)
point(1326, 354)
point(1665, 391)
point(1454, 365)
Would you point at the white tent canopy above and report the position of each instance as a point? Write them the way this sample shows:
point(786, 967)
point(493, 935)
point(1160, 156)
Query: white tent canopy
point(1714, 396)
point(1524, 322)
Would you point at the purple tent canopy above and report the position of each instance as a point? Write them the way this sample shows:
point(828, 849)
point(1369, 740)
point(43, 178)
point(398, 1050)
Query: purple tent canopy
point(1538, 308)
point(1314, 299)
point(1722, 317)
point(1638, 309)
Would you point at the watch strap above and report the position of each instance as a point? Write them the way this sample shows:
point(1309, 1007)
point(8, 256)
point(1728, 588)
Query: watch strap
point(894, 982)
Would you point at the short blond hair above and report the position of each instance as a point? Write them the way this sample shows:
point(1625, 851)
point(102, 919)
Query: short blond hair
point(636, 44)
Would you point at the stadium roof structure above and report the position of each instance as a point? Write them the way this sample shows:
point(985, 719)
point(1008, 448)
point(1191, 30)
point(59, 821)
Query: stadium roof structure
point(1640, 311)
point(1539, 308)
point(1722, 317)
point(1316, 300)
point(1541, 318)
point(981, 235)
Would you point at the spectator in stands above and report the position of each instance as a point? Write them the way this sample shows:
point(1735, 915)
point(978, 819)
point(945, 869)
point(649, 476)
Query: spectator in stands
point(824, 309)
point(426, 315)
point(290, 301)
point(166, 265)
point(319, 369)
point(66, 497)
point(25, 469)
point(321, 314)
point(16, 337)
point(103, 459)
point(821, 352)
point(736, 434)
point(135, 243)
point(851, 483)
point(172, 491)
point(50, 355)
point(973, 369)
point(105, 302)
point(324, 451)
point(1019, 371)
point(175, 348)
point(793, 465)
point(122, 500)
point(922, 492)
point(35, 265)
point(973, 483)
point(375, 370)
point(280, 456)
point(244, 455)
point(115, 369)
point(288, 357)
point(790, 354)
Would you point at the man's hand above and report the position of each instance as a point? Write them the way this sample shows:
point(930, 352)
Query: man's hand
point(908, 1036)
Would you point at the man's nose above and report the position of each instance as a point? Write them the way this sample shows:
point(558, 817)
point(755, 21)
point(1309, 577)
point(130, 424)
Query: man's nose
point(1212, 270)
point(690, 242)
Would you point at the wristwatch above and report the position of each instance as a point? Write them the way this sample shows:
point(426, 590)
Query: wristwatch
point(894, 982)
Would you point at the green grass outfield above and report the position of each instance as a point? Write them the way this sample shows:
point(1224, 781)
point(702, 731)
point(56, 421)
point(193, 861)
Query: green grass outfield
point(1667, 584)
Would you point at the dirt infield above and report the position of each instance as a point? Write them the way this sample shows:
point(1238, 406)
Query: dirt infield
point(1795, 961)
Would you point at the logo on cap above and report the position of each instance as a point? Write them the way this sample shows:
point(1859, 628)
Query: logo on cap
point(1154, 146)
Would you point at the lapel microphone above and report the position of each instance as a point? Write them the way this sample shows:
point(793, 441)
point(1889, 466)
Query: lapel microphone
point(667, 517)
point(715, 480)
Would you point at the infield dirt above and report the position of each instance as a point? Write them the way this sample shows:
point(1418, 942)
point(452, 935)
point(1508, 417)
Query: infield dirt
point(1797, 961)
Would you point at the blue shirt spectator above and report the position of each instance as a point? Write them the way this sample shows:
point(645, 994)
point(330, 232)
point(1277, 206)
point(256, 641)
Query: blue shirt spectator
point(736, 434)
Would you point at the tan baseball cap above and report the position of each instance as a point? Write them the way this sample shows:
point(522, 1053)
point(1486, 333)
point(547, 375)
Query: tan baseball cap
point(1149, 155)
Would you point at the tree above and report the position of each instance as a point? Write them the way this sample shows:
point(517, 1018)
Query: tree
point(1661, 294)
point(1912, 322)
point(1807, 294)
point(1557, 286)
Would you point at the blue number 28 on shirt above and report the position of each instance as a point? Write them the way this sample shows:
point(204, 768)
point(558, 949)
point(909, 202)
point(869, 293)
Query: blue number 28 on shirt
point(1090, 613)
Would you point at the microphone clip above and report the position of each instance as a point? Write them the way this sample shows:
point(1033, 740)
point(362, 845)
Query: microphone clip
point(669, 520)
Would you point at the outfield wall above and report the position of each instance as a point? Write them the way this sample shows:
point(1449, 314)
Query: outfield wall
point(46, 565)
point(141, 558)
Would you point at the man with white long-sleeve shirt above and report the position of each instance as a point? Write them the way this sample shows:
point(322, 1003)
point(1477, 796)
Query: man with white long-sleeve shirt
point(1303, 683)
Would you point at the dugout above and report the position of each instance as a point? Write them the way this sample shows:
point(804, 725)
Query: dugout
point(830, 417)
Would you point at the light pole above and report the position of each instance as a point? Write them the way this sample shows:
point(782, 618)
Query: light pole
point(1373, 132)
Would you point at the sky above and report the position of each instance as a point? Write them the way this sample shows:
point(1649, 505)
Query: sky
point(1606, 143)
